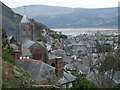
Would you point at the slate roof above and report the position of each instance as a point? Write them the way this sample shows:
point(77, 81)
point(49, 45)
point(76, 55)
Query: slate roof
point(37, 69)
point(67, 78)
point(40, 70)
point(78, 67)
point(67, 59)
point(14, 47)
point(27, 44)
point(116, 77)
point(83, 49)
point(9, 38)
point(25, 19)
point(58, 52)
point(41, 43)
point(51, 56)
point(79, 60)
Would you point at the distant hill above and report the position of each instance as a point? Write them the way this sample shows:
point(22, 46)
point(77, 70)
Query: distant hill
point(64, 17)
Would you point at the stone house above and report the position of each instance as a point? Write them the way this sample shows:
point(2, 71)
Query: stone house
point(81, 69)
point(37, 49)
point(40, 71)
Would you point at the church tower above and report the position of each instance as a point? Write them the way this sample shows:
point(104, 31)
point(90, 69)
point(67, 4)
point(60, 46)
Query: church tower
point(26, 29)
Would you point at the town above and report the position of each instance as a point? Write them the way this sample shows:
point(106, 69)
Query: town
point(59, 58)
point(35, 56)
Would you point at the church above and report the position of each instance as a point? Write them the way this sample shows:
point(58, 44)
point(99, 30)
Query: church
point(32, 56)
point(29, 47)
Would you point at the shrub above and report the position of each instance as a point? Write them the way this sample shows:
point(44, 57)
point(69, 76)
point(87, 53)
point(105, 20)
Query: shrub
point(9, 59)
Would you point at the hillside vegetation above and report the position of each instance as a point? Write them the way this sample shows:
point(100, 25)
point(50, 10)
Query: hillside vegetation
point(12, 75)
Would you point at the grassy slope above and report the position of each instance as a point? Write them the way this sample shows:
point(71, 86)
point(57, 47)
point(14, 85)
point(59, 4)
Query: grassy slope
point(13, 76)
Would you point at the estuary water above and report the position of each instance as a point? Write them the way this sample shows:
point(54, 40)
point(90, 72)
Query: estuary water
point(78, 31)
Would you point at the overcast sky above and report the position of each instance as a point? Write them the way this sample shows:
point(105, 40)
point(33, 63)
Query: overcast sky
point(64, 3)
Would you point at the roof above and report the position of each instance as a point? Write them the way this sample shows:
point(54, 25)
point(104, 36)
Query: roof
point(116, 77)
point(40, 70)
point(37, 69)
point(58, 52)
point(51, 56)
point(78, 67)
point(79, 60)
point(10, 37)
point(67, 59)
point(67, 78)
point(83, 49)
point(25, 19)
point(42, 44)
point(14, 47)
point(49, 47)
point(27, 44)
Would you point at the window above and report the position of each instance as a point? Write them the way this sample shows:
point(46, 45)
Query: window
point(36, 54)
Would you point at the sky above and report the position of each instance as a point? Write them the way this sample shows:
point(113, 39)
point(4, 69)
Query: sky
point(64, 3)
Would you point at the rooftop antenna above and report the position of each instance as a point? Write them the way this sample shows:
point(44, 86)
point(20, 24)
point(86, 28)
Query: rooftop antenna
point(24, 10)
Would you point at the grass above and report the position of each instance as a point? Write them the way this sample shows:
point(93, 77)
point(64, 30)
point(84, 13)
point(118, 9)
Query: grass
point(12, 75)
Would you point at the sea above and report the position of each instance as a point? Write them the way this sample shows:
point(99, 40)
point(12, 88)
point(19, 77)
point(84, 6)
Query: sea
point(78, 31)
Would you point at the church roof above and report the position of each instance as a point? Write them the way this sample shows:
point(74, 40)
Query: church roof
point(25, 19)
point(27, 44)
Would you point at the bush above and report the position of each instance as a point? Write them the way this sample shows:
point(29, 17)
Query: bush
point(9, 59)
point(82, 82)
point(110, 62)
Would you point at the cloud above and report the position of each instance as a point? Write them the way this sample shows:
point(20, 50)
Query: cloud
point(64, 3)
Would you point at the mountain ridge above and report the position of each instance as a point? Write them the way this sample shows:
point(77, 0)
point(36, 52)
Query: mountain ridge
point(65, 17)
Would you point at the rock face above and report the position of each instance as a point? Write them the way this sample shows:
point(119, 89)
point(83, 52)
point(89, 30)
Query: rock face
point(10, 20)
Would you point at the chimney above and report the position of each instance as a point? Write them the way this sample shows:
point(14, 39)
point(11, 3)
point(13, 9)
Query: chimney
point(19, 48)
point(59, 67)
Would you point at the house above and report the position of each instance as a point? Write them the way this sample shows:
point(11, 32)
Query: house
point(78, 61)
point(51, 59)
point(79, 68)
point(40, 70)
point(67, 59)
point(37, 49)
point(11, 39)
point(87, 61)
point(15, 50)
point(59, 52)
point(115, 77)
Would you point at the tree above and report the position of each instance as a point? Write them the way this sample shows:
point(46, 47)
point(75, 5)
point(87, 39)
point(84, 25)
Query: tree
point(110, 62)
point(82, 82)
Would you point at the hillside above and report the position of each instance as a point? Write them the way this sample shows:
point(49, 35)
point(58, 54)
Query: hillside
point(12, 75)
point(64, 17)
point(11, 20)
